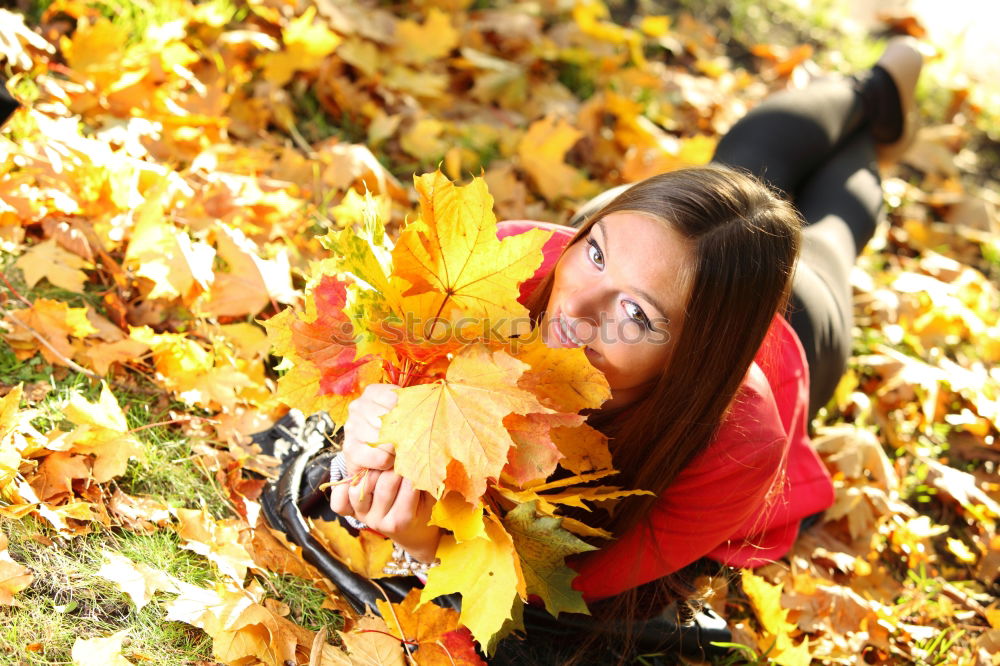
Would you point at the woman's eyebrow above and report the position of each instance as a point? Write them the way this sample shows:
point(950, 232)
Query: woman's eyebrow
point(645, 295)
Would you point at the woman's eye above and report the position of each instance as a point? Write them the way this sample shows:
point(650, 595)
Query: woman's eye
point(635, 313)
point(594, 252)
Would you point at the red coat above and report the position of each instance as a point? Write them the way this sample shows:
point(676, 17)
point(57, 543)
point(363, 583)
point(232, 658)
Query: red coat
point(741, 500)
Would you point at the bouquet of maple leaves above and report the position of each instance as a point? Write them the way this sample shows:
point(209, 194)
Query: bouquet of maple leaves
point(485, 413)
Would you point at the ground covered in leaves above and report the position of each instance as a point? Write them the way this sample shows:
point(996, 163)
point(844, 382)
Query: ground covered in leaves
point(161, 194)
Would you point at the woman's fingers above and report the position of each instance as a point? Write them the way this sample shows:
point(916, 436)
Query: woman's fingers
point(360, 493)
point(383, 395)
point(364, 421)
point(384, 495)
point(408, 501)
point(340, 503)
point(358, 455)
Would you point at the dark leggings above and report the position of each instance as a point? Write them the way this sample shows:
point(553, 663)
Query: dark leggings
point(813, 145)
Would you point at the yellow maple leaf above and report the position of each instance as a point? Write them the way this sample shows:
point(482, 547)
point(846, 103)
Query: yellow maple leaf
point(18, 438)
point(175, 265)
point(534, 454)
point(102, 432)
point(197, 375)
point(96, 49)
point(306, 44)
point(459, 419)
point(563, 379)
point(453, 252)
point(418, 44)
point(766, 601)
point(356, 208)
point(543, 152)
point(371, 644)
point(464, 520)
point(366, 554)
point(245, 627)
point(48, 260)
point(589, 16)
point(424, 141)
point(423, 626)
point(488, 575)
point(583, 448)
point(100, 651)
point(136, 579)
point(219, 541)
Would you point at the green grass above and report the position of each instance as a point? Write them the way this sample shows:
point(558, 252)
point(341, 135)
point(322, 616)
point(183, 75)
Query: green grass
point(304, 601)
point(67, 600)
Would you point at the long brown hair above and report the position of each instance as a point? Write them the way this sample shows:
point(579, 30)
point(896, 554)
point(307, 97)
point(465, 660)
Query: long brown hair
point(745, 241)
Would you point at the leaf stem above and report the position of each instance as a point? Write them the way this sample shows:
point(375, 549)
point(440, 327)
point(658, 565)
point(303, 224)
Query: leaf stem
point(386, 633)
point(14, 291)
point(55, 352)
point(182, 419)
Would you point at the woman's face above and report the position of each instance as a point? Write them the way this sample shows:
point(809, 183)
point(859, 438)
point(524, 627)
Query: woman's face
point(620, 291)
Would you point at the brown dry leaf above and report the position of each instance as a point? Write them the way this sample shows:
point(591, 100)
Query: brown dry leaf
point(53, 480)
point(852, 452)
point(962, 487)
point(54, 321)
point(371, 644)
point(139, 514)
point(272, 552)
point(103, 355)
point(251, 283)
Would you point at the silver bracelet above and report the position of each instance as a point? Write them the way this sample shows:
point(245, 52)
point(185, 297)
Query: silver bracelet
point(404, 564)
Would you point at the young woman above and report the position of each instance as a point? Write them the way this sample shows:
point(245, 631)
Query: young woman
point(718, 348)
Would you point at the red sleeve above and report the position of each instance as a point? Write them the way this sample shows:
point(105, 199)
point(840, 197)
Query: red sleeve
point(720, 492)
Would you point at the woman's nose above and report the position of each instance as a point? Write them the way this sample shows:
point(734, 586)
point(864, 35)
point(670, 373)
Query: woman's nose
point(582, 303)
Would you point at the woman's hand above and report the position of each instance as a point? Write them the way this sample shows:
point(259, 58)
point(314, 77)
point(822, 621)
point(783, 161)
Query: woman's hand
point(364, 420)
point(390, 505)
point(380, 498)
